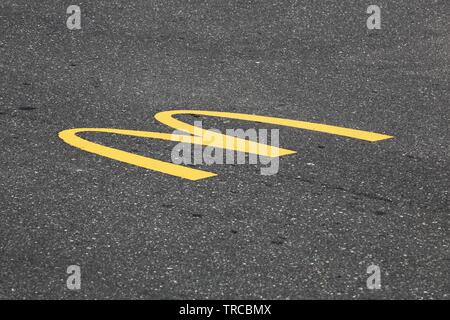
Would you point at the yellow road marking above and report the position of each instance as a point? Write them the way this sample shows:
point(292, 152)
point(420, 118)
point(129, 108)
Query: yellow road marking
point(70, 137)
point(197, 137)
point(166, 117)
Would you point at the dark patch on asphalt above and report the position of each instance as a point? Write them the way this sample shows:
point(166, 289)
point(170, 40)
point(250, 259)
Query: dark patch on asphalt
point(301, 179)
point(371, 196)
point(27, 108)
point(279, 240)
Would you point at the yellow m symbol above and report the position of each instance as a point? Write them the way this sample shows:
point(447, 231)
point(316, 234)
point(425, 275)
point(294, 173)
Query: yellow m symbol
point(203, 137)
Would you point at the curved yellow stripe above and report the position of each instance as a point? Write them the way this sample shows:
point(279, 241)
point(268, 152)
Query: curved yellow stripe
point(70, 137)
point(167, 118)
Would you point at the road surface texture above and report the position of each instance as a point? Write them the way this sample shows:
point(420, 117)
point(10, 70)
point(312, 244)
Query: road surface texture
point(311, 231)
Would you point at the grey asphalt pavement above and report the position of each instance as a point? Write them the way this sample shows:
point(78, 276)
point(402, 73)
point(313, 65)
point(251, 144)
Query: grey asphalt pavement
point(310, 231)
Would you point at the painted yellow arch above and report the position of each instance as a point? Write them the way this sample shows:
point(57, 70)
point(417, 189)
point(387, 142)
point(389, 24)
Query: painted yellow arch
point(167, 118)
point(198, 136)
point(71, 138)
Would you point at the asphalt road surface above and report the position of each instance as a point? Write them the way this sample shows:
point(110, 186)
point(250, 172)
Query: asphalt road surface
point(311, 231)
